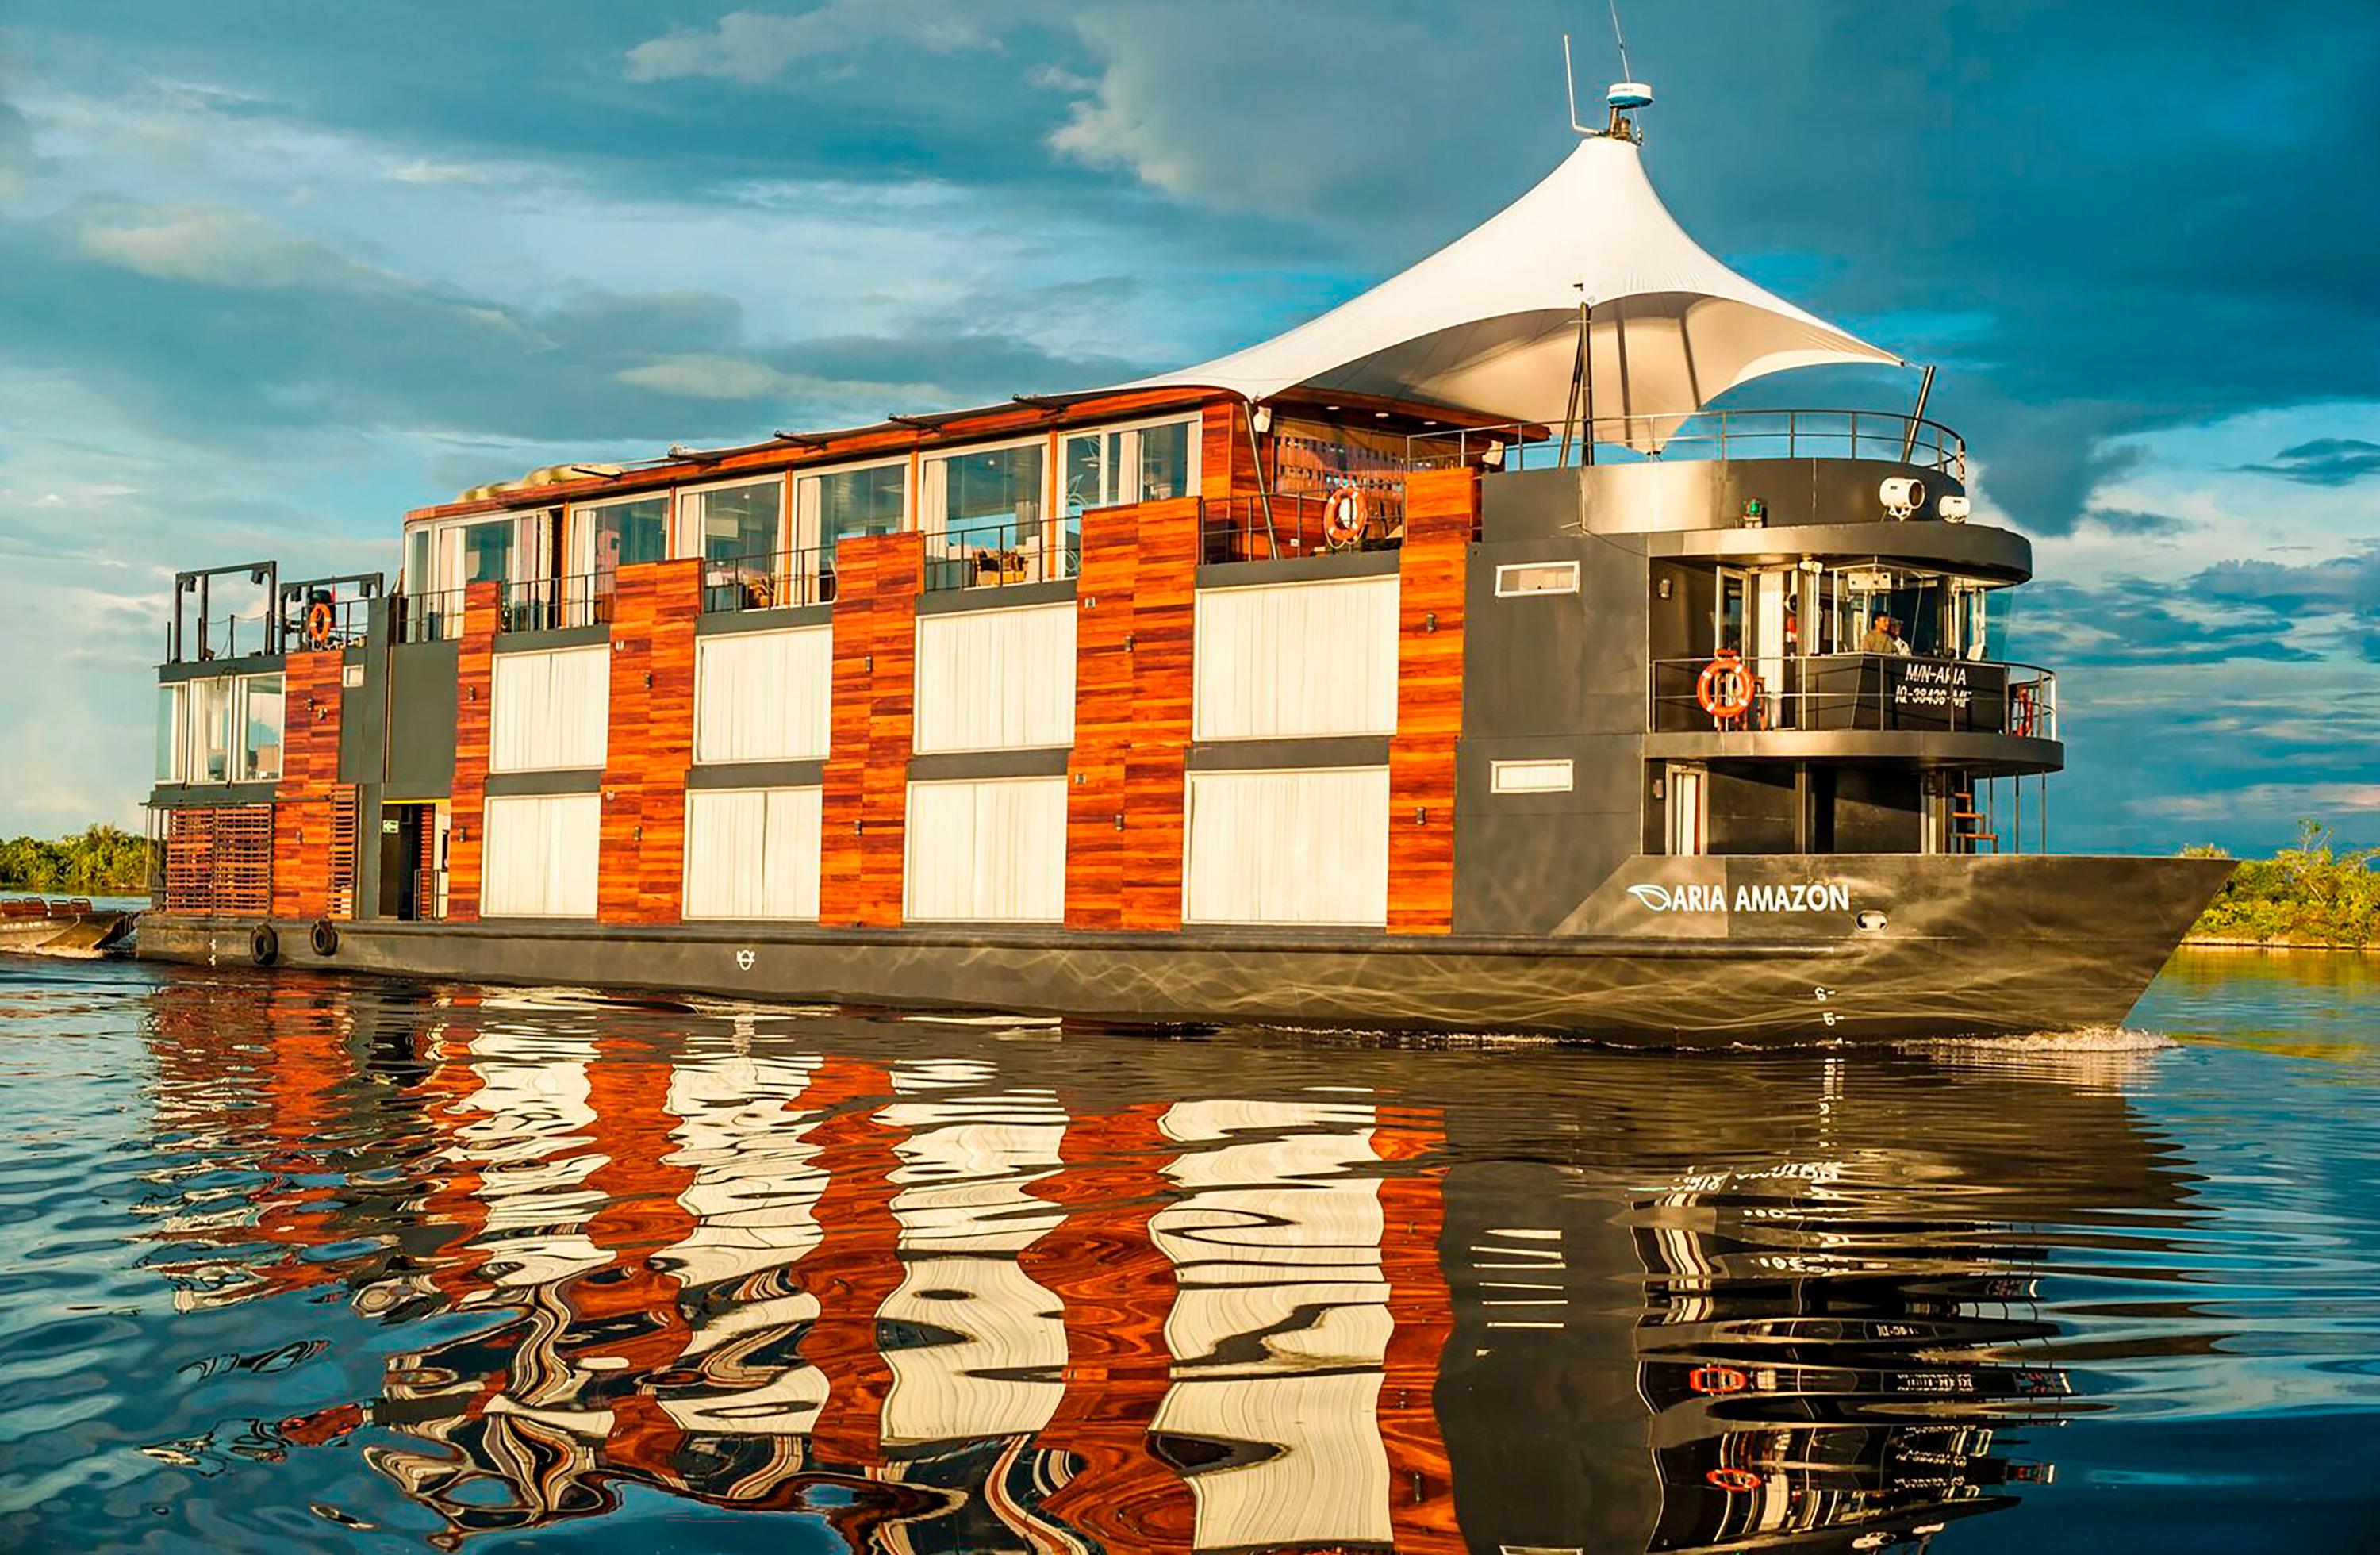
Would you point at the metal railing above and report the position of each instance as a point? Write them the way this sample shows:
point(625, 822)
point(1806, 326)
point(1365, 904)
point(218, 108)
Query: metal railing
point(433, 616)
point(1705, 434)
point(548, 604)
point(1003, 551)
point(1850, 691)
point(320, 614)
point(768, 581)
point(1285, 526)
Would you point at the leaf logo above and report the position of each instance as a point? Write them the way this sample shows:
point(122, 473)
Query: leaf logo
point(1654, 896)
point(744, 959)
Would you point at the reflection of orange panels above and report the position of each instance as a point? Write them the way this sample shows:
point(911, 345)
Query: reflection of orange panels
point(1412, 1211)
point(1117, 1288)
point(474, 685)
point(641, 1215)
point(857, 1264)
point(456, 1200)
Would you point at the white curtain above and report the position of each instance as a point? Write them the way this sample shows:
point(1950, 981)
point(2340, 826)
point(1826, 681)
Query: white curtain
point(538, 857)
point(551, 710)
point(996, 679)
point(763, 696)
point(752, 853)
point(1309, 846)
point(992, 850)
point(1289, 660)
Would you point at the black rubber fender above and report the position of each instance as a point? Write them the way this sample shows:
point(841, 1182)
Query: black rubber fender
point(324, 937)
point(263, 945)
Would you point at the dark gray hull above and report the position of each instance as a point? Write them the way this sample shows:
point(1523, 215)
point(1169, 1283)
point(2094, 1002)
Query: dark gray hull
point(1670, 951)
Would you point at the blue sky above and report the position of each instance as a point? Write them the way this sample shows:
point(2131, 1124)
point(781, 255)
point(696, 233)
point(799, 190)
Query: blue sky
point(272, 272)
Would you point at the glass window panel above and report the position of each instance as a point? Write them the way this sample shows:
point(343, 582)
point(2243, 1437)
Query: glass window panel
point(487, 551)
point(169, 733)
point(873, 501)
point(416, 561)
point(1085, 474)
point(259, 746)
point(739, 521)
point(209, 741)
point(992, 496)
point(623, 535)
point(1164, 463)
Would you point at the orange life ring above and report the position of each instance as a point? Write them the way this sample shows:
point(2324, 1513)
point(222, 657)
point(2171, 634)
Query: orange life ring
point(1727, 686)
point(1344, 515)
point(319, 619)
point(1727, 1477)
point(2024, 711)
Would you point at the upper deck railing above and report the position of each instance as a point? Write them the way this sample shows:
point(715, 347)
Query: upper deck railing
point(1706, 434)
point(1851, 691)
point(1285, 526)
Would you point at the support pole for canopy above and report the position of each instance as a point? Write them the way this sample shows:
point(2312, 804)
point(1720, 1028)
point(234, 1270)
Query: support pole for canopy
point(1908, 439)
point(1582, 375)
point(1264, 487)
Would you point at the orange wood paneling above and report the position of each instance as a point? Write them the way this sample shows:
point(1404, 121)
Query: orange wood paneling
point(1441, 515)
point(1132, 716)
point(650, 741)
point(467, 800)
point(856, 1264)
point(864, 805)
point(305, 813)
point(1164, 586)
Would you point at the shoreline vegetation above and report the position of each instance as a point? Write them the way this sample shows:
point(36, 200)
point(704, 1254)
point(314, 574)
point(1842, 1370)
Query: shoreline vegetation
point(102, 860)
point(2313, 895)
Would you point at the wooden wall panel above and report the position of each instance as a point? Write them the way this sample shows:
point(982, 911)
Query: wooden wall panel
point(677, 605)
point(864, 805)
point(650, 741)
point(1095, 772)
point(307, 801)
point(466, 799)
point(625, 745)
point(1132, 716)
point(1164, 588)
point(1441, 515)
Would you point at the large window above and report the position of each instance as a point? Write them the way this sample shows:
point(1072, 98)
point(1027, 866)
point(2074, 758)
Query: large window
point(1290, 661)
point(259, 722)
point(222, 729)
point(539, 856)
point(844, 503)
point(987, 504)
point(443, 557)
point(763, 696)
point(1155, 462)
point(606, 538)
point(1303, 846)
point(986, 851)
point(752, 853)
point(731, 523)
point(551, 710)
point(170, 733)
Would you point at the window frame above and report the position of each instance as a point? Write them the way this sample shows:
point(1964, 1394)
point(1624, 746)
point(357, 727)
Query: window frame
point(1557, 563)
point(686, 542)
point(935, 526)
point(1194, 421)
point(805, 522)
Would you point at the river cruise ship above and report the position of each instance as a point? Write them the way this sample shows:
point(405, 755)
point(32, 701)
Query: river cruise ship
point(1452, 660)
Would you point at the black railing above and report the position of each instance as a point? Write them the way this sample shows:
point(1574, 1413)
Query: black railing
point(768, 581)
point(988, 554)
point(1851, 691)
point(433, 616)
point(548, 604)
point(1285, 526)
point(1706, 434)
point(321, 615)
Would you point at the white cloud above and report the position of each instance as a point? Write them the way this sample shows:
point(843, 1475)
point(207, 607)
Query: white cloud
point(2264, 801)
point(706, 377)
point(424, 171)
point(755, 46)
point(221, 247)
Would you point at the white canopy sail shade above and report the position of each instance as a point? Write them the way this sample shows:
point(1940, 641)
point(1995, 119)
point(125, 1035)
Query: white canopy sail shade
point(1489, 323)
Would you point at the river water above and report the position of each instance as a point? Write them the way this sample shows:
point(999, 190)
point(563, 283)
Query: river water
point(299, 1263)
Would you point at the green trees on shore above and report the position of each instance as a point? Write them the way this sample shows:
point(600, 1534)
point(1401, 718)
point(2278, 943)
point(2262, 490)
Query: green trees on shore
point(103, 860)
point(2311, 893)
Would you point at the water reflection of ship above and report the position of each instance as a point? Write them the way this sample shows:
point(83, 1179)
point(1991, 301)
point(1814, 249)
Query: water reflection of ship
point(939, 1307)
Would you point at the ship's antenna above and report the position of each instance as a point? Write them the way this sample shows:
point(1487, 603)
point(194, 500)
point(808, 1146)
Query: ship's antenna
point(1616, 37)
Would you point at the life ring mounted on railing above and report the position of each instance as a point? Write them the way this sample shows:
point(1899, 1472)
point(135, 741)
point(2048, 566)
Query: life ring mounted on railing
point(1727, 687)
point(321, 621)
point(1346, 512)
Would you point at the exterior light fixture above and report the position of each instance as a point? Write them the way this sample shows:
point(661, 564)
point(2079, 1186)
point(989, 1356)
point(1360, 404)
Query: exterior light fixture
point(1260, 417)
point(1953, 509)
point(1755, 513)
point(1493, 458)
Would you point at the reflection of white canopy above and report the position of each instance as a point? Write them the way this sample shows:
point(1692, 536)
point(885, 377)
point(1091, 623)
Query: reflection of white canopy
point(1490, 322)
